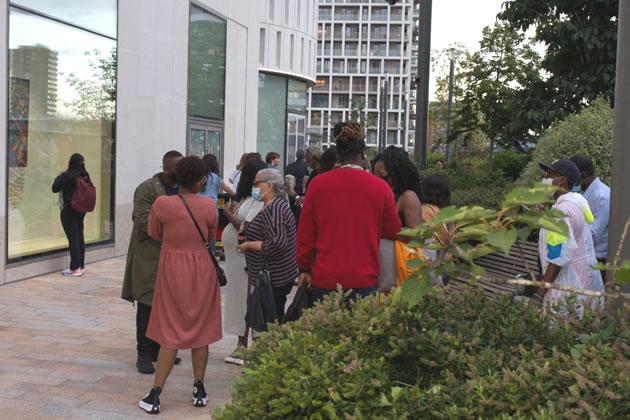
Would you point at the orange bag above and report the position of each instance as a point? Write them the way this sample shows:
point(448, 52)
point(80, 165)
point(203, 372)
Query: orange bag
point(402, 254)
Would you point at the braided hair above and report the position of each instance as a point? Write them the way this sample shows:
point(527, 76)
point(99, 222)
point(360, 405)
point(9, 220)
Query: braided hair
point(405, 176)
point(349, 138)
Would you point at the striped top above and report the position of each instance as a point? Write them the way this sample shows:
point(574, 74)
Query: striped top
point(275, 227)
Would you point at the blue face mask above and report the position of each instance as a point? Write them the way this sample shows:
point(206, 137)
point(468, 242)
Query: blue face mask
point(256, 195)
point(577, 188)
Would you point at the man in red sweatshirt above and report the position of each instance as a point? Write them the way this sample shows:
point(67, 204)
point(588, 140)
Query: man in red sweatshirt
point(345, 214)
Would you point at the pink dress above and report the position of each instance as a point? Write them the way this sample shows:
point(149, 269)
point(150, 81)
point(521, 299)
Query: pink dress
point(186, 312)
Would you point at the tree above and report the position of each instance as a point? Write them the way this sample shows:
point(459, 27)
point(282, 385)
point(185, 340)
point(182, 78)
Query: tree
point(96, 95)
point(492, 78)
point(581, 41)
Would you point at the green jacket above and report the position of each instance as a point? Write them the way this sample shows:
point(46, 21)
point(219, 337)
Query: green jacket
point(144, 253)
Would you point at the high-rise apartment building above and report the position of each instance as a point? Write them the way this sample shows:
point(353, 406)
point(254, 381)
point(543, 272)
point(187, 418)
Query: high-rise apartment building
point(364, 52)
point(38, 65)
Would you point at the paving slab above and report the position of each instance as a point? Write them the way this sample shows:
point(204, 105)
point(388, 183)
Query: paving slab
point(69, 352)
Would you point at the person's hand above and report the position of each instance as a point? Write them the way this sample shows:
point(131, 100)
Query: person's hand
point(244, 247)
point(299, 201)
point(229, 208)
point(305, 278)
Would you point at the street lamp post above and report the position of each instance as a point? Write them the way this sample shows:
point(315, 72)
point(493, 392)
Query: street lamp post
point(619, 197)
point(451, 75)
point(422, 92)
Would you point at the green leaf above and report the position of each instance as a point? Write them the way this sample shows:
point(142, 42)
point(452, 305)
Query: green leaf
point(575, 352)
point(484, 250)
point(528, 197)
point(415, 288)
point(415, 263)
point(503, 239)
point(545, 220)
point(396, 393)
point(384, 401)
point(475, 269)
point(623, 273)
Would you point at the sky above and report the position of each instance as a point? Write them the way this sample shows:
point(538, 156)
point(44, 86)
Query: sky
point(460, 21)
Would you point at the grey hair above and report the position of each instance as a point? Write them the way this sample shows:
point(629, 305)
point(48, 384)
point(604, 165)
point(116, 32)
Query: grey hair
point(316, 152)
point(275, 178)
point(289, 183)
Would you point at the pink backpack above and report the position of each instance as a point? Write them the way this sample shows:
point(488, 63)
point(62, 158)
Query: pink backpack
point(84, 198)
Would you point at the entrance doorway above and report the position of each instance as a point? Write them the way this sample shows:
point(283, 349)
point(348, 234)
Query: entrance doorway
point(296, 135)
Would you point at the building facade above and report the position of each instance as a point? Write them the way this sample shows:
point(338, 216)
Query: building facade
point(363, 69)
point(122, 83)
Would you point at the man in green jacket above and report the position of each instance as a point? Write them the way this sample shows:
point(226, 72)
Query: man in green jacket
point(143, 257)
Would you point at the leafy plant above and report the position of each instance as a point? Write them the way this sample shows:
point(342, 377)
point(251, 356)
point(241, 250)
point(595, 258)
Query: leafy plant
point(589, 132)
point(451, 356)
point(477, 231)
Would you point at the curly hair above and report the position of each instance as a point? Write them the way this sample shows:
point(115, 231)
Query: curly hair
point(189, 171)
point(328, 160)
point(248, 174)
point(405, 176)
point(435, 191)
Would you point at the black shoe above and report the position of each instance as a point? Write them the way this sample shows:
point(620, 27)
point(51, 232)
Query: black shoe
point(200, 397)
point(178, 360)
point(144, 365)
point(151, 402)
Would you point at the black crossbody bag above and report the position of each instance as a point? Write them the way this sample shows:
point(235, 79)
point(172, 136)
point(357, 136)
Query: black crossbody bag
point(220, 273)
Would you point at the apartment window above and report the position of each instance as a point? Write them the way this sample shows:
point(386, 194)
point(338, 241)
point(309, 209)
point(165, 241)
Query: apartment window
point(262, 47)
point(272, 4)
point(318, 69)
point(299, 13)
point(325, 13)
point(319, 100)
point(287, 9)
point(302, 54)
point(278, 48)
point(47, 123)
point(292, 52)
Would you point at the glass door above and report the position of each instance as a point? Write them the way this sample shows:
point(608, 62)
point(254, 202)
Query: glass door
point(205, 139)
point(296, 134)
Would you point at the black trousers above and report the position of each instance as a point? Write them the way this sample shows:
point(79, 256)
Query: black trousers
point(72, 222)
point(280, 295)
point(602, 261)
point(146, 346)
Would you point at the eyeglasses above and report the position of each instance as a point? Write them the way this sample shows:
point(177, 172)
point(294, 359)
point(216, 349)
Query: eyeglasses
point(258, 182)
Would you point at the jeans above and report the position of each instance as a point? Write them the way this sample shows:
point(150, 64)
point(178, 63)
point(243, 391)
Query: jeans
point(319, 293)
point(146, 347)
point(602, 261)
point(72, 222)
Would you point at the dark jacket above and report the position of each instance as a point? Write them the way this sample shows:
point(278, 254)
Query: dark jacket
point(66, 182)
point(299, 171)
point(144, 253)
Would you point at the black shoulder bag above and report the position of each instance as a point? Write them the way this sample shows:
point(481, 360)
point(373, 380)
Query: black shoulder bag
point(220, 273)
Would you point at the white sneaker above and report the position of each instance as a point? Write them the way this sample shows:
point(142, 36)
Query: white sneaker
point(233, 358)
point(73, 273)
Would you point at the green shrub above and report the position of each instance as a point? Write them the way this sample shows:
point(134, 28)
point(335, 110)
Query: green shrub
point(451, 356)
point(476, 186)
point(511, 163)
point(589, 132)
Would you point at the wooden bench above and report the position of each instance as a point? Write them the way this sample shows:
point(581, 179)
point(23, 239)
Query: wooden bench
point(501, 266)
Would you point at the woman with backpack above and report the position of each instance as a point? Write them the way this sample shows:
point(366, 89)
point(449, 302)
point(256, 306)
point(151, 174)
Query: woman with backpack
point(73, 208)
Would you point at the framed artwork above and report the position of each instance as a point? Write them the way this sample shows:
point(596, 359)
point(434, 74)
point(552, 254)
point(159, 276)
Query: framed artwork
point(18, 122)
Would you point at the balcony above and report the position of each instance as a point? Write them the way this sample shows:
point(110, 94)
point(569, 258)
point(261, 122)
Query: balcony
point(340, 101)
point(325, 13)
point(341, 87)
point(319, 101)
point(351, 51)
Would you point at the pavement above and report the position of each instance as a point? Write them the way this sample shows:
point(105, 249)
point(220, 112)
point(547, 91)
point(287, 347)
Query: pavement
point(68, 351)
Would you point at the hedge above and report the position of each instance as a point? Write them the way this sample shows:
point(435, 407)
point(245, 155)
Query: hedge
point(452, 356)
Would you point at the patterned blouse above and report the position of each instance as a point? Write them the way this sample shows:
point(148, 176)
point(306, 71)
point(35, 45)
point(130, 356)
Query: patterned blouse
point(275, 227)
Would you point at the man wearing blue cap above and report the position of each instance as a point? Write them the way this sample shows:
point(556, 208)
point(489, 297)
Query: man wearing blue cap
point(566, 260)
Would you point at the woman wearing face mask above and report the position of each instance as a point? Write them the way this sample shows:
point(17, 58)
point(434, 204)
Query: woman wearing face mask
point(272, 236)
point(566, 260)
point(239, 213)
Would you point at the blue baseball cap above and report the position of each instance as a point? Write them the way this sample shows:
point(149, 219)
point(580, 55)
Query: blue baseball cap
point(565, 168)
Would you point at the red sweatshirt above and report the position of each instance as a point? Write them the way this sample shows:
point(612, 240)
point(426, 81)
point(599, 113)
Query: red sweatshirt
point(345, 214)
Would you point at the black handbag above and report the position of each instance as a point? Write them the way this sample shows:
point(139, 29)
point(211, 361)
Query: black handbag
point(220, 273)
point(303, 300)
point(261, 307)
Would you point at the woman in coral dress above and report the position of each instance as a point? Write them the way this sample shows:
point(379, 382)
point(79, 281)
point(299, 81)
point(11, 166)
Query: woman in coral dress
point(186, 311)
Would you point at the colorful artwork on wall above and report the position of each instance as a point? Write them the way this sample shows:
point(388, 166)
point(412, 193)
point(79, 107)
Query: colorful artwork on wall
point(18, 121)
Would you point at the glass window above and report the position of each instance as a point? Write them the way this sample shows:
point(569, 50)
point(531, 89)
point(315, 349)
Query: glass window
point(296, 96)
point(62, 90)
point(98, 16)
point(262, 47)
point(206, 65)
point(272, 114)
